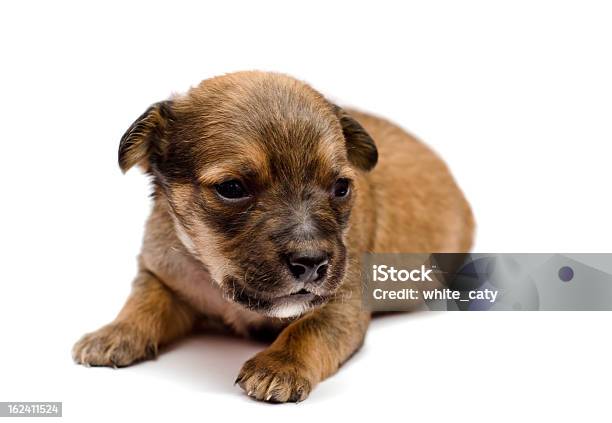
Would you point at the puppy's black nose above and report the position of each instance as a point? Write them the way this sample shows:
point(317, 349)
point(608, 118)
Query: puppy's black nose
point(308, 266)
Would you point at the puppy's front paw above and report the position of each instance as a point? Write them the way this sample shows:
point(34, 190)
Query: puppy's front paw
point(114, 345)
point(272, 376)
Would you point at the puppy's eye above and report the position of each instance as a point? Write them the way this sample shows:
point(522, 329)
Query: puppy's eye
point(342, 187)
point(231, 190)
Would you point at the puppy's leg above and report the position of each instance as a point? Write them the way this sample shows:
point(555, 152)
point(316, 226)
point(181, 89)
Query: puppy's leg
point(152, 316)
point(306, 352)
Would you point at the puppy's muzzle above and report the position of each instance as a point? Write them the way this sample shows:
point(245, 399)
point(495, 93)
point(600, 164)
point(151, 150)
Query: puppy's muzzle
point(308, 267)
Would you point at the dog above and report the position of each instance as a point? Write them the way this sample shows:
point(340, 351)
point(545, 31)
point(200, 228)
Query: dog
point(266, 195)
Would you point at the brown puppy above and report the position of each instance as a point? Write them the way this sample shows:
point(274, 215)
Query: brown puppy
point(266, 195)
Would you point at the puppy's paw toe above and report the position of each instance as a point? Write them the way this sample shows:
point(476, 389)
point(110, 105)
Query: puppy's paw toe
point(270, 377)
point(114, 345)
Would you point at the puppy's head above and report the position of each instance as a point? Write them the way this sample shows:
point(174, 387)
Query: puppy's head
point(257, 170)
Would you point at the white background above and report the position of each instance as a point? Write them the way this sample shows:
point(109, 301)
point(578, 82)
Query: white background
point(517, 97)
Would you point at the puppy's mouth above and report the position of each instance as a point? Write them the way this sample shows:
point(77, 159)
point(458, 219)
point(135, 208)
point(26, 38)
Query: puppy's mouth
point(282, 306)
point(300, 295)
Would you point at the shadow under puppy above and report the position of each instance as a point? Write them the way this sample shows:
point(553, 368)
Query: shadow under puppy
point(265, 197)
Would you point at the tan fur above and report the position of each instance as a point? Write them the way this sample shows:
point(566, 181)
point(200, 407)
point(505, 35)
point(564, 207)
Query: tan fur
point(408, 203)
point(423, 210)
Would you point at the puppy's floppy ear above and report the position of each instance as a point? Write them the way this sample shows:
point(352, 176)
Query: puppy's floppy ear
point(360, 146)
point(147, 135)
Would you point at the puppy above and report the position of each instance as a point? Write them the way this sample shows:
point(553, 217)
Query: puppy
point(265, 197)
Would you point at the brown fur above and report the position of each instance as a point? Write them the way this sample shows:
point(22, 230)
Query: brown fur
point(204, 256)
